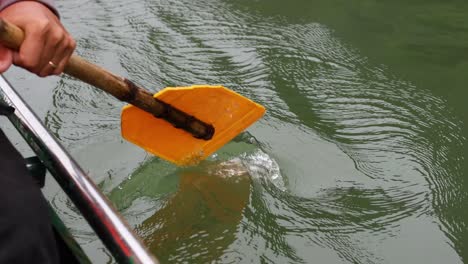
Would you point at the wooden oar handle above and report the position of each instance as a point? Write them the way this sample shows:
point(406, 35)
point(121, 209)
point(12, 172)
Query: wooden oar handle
point(11, 36)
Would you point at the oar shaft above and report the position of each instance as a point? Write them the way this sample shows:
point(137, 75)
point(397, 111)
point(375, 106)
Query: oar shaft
point(121, 88)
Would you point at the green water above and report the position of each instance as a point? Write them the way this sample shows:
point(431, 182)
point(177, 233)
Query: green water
point(359, 159)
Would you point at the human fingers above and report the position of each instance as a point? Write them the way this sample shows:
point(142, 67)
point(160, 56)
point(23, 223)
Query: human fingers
point(62, 56)
point(32, 48)
point(6, 59)
point(57, 50)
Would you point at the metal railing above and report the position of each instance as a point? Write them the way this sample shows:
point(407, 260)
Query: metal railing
point(114, 232)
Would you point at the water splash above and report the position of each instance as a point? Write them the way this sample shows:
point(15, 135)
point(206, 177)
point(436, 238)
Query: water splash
point(260, 165)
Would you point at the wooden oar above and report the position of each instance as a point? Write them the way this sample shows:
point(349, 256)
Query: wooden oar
point(183, 125)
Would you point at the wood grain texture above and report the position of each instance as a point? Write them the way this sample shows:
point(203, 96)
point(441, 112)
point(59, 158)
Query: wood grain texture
point(11, 36)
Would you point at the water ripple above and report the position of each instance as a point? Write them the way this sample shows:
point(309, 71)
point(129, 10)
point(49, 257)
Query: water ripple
point(385, 143)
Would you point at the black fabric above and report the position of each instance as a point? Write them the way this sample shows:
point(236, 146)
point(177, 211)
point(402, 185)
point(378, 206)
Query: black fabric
point(26, 234)
point(6, 109)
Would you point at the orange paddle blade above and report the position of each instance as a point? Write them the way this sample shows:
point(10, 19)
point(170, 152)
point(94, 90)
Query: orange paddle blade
point(230, 113)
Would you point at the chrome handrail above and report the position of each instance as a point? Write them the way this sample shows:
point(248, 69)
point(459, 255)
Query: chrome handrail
point(114, 232)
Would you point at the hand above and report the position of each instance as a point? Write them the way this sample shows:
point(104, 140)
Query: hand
point(47, 46)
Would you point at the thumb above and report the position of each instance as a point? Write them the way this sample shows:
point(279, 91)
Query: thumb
point(6, 59)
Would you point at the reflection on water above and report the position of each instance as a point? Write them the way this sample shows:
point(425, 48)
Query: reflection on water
point(193, 213)
point(355, 163)
point(200, 220)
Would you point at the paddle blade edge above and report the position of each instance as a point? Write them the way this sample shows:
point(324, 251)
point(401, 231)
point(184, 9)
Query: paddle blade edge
point(229, 112)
